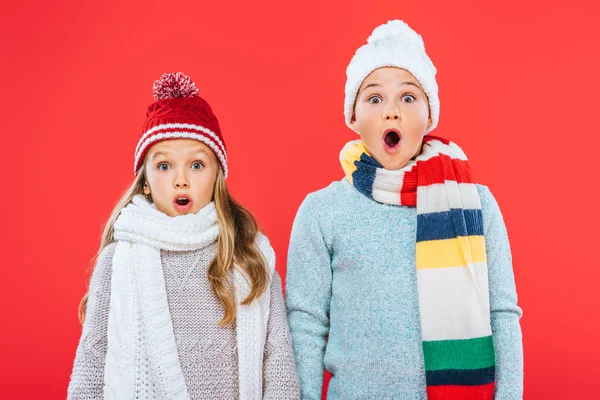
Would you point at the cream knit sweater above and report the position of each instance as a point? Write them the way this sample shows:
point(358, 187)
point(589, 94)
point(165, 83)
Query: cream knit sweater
point(208, 354)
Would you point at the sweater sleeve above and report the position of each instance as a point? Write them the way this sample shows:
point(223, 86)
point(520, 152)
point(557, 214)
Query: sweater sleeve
point(505, 313)
point(280, 379)
point(87, 379)
point(308, 294)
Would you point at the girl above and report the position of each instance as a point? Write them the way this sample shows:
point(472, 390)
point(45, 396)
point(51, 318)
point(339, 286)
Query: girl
point(400, 280)
point(184, 301)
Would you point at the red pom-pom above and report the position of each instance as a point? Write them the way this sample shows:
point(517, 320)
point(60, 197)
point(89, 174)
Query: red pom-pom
point(175, 84)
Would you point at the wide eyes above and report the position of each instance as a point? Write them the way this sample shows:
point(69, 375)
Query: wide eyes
point(163, 166)
point(406, 98)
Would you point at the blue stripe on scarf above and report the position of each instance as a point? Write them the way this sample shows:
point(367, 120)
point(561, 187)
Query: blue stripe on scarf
point(467, 377)
point(364, 176)
point(449, 224)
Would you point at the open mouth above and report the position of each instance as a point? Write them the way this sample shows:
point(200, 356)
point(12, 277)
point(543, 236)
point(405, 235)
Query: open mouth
point(391, 138)
point(182, 203)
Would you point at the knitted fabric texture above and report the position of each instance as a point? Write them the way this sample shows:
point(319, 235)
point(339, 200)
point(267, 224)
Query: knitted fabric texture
point(207, 352)
point(179, 113)
point(142, 357)
point(452, 275)
point(352, 300)
point(393, 44)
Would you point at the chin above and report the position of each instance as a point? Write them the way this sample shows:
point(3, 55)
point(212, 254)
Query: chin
point(394, 165)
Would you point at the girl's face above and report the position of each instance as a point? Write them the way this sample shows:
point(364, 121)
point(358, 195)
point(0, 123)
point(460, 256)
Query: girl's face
point(180, 175)
point(391, 115)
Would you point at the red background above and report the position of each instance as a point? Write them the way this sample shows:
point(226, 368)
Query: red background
point(518, 88)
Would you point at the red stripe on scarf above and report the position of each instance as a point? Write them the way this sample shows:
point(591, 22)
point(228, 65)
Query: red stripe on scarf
point(436, 170)
point(441, 168)
point(408, 193)
point(429, 138)
point(451, 392)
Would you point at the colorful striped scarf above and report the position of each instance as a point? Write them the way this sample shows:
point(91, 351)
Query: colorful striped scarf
point(451, 262)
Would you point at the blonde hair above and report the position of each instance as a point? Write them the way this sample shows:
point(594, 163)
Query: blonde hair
point(236, 246)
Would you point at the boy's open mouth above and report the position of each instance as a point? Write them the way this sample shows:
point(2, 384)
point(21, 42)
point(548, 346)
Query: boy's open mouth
point(391, 138)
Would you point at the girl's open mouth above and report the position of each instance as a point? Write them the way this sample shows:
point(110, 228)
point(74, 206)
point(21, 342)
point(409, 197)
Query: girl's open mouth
point(182, 203)
point(391, 140)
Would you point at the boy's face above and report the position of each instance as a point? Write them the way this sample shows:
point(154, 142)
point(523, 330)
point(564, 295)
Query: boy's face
point(180, 176)
point(391, 115)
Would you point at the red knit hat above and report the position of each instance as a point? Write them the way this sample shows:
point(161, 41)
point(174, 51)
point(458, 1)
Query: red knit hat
point(179, 113)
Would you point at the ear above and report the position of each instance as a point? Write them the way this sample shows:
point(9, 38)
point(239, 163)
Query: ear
point(146, 188)
point(353, 123)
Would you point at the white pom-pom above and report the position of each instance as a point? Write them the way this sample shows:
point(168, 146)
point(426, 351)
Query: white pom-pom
point(396, 29)
point(172, 85)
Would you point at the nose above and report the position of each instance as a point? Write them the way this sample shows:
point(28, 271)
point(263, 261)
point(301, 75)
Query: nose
point(181, 181)
point(391, 112)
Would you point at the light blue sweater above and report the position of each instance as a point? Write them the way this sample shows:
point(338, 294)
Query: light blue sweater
point(352, 302)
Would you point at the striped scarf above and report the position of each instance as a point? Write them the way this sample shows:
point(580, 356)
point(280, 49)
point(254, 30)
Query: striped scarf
point(451, 262)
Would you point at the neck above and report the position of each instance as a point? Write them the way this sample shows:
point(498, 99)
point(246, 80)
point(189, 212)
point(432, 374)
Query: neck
point(419, 151)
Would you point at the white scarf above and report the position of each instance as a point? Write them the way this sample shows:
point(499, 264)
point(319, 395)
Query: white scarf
point(142, 360)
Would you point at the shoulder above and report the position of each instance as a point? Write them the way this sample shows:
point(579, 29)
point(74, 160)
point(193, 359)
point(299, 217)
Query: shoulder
point(333, 191)
point(488, 201)
point(492, 216)
point(485, 194)
point(108, 252)
point(105, 258)
point(332, 197)
point(101, 275)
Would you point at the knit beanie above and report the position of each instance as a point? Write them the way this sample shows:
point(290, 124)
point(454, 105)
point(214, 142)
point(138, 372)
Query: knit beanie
point(393, 44)
point(179, 113)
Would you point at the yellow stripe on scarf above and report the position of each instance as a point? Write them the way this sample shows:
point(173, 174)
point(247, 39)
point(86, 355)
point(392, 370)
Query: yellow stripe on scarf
point(448, 253)
point(349, 155)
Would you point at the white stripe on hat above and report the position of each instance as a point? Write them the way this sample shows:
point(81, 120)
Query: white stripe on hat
point(180, 126)
point(147, 140)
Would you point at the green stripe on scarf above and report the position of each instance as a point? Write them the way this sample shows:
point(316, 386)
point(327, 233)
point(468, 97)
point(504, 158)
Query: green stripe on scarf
point(459, 354)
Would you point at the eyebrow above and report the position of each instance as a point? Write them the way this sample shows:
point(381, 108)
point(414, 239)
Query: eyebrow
point(410, 83)
point(371, 85)
point(163, 153)
point(199, 151)
point(158, 154)
point(378, 85)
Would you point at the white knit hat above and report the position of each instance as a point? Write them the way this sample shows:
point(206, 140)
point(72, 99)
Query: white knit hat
point(393, 44)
